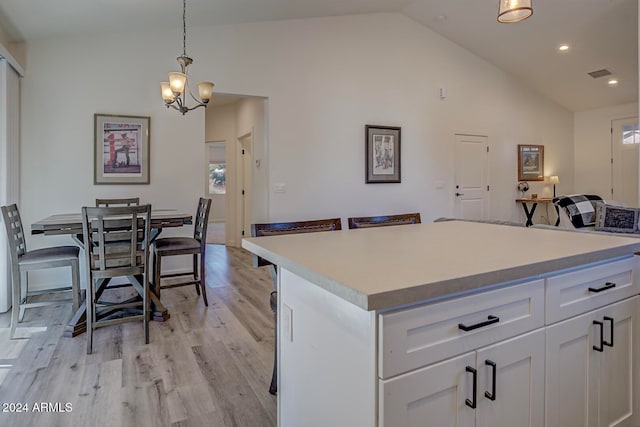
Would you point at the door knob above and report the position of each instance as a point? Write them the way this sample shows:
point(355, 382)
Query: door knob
point(459, 194)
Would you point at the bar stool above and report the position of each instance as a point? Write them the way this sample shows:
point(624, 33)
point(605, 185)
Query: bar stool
point(195, 246)
point(116, 244)
point(23, 261)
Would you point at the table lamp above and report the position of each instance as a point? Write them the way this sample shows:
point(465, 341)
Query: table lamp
point(553, 179)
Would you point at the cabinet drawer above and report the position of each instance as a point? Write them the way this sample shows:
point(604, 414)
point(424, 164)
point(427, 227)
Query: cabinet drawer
point(426, 334)
point(586, 289)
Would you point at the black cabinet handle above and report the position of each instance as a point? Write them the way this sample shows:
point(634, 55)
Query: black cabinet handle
point(610, 319)
point(491, 395)
point(607, 286)
point(490, 320)
point(472, 403)
point(595, 347)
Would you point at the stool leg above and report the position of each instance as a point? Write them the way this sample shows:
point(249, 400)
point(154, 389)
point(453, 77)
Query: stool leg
point(15, 302)
point(195, 273)
point(157, 260)
point(273, 301)
point(90, 313)
point(203, 284)
point(75, 284)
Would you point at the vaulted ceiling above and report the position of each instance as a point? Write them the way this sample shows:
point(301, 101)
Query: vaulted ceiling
point(602, 34)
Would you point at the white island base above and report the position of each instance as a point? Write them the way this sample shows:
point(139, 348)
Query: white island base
point(334, 362)
point(548, 343)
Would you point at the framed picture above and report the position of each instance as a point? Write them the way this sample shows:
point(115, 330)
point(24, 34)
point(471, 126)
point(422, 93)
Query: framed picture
point(121, 149)
point(530, 162)
point(382, 157)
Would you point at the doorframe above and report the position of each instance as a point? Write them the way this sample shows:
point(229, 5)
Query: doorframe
point(244, 178)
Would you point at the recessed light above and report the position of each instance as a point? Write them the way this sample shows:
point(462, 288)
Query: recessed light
point(563, 47)
point(613, 81)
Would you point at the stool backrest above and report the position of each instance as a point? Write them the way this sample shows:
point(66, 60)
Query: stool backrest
point(296, 227)
point(15, 232)
point(383, 220)
point(117, 239)
point(132, 201)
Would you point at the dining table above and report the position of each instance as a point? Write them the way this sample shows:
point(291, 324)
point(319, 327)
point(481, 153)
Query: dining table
point(71, 224)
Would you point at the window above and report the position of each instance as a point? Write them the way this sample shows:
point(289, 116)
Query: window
point(630, 134)
point(217, 178)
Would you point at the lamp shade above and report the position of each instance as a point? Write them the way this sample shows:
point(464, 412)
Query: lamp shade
point(205, 91)
point(167, 93)
point(177, 81)
point(514, 10)
point(553, 179)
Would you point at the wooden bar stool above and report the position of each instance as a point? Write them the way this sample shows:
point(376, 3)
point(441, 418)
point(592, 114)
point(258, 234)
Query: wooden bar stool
point(116, 245)
point(23, 261)
point(195, 246)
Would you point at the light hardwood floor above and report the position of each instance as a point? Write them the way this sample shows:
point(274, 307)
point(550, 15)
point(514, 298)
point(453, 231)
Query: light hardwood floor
point(204, 366)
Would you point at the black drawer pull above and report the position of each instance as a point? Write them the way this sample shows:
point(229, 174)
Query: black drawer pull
point(595, 347)
point(610, 319)
point(491, 395)
point(490, 320)
point(607, 286)
point(472, 403)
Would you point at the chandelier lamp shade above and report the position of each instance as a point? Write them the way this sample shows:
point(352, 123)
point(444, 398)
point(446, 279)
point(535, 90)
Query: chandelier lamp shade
point(510, 11)
point(174, 92)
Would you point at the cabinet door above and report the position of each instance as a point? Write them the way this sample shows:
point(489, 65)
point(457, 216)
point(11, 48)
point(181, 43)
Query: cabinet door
point(519, 382)
point(617, 394)
point(571, 364)
point(587, 387)
point(431, 396)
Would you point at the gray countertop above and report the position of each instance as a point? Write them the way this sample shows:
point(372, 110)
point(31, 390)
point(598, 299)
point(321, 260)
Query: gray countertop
point(385, 267)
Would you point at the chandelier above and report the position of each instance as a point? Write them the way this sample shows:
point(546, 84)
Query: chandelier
point(514, 10)
point(174, 92)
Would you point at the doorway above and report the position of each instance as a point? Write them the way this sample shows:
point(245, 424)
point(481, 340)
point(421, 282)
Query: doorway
point(625, 154)
point(471, 177)
point(216, 190)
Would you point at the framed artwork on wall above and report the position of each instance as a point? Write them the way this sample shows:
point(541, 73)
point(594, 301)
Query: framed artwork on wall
point(382, 159)
point(530, 162)
point(121, 149)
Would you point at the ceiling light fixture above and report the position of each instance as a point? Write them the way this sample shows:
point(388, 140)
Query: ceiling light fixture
point(613, 81)
point(174, 91)
point(563, 47)
point(510, 11)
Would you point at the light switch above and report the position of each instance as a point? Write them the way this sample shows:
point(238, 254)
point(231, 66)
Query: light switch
point(279, 188)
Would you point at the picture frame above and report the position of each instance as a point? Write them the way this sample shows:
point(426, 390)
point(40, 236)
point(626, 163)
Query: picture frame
point(530, 162)
point(382, 154)
point(121, 149)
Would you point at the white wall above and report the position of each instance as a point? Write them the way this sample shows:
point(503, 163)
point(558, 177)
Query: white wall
point(324, 79)
point(592, 143)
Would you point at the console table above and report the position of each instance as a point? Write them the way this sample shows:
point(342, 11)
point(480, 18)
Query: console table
point(526, 202)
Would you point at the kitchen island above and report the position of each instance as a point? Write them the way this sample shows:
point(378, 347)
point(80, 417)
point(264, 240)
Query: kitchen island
point(454, 323)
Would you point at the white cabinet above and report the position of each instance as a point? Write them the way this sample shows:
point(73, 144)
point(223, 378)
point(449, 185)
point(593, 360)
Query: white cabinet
point(591, 377)
point(497, 386)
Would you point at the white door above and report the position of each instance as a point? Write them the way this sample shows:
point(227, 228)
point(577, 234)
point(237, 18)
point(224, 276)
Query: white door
point(245, 161)
point(471, 177)
point(433, 396)
point(516, 397)
point(624, 160)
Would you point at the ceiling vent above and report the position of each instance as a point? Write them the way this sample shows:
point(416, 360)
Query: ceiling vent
point(600, 73)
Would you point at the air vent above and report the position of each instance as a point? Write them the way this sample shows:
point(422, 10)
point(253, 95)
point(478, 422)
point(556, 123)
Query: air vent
point(600, 73)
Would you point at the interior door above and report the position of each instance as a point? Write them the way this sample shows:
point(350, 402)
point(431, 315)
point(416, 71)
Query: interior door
point(471, 176)
point(624, 160)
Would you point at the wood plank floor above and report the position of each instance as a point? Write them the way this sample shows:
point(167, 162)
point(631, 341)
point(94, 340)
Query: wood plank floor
point(204, 366)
